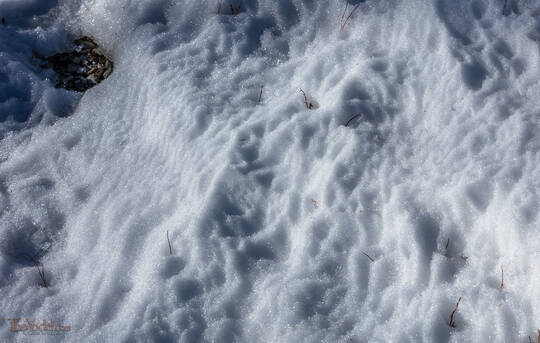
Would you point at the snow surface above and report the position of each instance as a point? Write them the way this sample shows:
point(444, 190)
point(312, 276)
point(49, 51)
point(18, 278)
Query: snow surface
point(272, 209)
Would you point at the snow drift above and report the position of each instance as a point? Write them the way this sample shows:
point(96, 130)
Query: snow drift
point(286, 224)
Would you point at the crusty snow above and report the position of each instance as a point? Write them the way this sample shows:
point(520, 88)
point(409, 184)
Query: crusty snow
point(285, 224)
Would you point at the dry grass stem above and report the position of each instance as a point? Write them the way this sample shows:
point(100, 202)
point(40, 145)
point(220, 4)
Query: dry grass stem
point(502, 277)
point(452, 323)
point(308, 104)
point(41, 271)
point(168, 241)
point(352, 118)
point(344, 21)
point(371, 259)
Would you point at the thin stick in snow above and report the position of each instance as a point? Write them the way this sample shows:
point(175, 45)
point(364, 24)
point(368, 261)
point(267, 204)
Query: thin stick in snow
point(353, 117)
point(42, 274)
point(452, 323)
point(260, 94)
point(308, 104)
point(40, 271)
point(372, 260)
point(168, 241)
point(343, 15)
point(502, 277)
point(344, 23)
point(236, 10)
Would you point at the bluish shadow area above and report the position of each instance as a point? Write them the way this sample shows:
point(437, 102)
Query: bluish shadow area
point(474, 75)
point(288, 13)
point(456, 18)
point(512, 7)
point(356, 100)
point(25, 244)
point(355, 2)
point(22, 13)
point(27, 235)
point(14, 98)
point(23, 85)
point(256, 27)
point(153, 13)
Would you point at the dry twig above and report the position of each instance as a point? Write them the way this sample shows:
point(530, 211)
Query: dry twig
point(308, 104)
point(260, 94)
point(371, 259)
point(452, 323)
point(352, 118)
point(168, 241)
point(344, 21)
point(502, 277)
point(234, 10)
point(40, 271)
point(344, 11)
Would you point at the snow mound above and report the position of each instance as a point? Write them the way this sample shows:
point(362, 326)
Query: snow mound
point(412, 180)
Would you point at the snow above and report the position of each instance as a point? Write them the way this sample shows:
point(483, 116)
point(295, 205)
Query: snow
point(274, 211)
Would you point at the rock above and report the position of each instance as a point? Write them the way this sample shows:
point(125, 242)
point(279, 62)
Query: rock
point(82, 68)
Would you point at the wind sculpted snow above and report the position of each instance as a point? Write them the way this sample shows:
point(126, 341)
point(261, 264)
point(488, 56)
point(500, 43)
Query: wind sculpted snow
point(411, 182)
